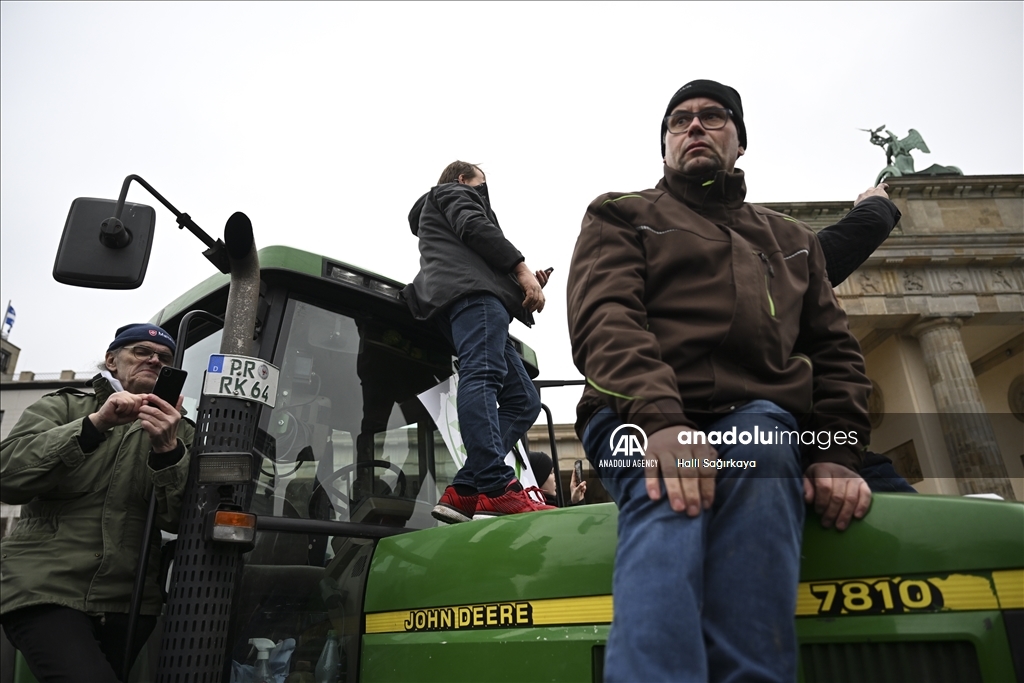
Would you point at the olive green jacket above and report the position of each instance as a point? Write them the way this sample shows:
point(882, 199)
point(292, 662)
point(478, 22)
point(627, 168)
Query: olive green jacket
point(82, 515)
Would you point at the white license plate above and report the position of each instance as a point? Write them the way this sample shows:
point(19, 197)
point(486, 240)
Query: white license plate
point(252, 379)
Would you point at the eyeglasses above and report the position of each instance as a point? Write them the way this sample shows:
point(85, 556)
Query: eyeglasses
point(145, 353)
point(711, 119)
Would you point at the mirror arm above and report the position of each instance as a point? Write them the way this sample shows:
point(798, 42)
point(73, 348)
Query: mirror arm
point(215, 252)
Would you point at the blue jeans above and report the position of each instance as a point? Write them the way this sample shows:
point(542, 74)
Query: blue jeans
point(711, 597)
point(497, 402)
point(882, 477)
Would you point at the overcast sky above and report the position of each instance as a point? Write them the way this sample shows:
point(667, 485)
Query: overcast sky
point(324, 123)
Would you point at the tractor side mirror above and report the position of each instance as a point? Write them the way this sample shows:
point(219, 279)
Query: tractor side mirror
point(100, 251)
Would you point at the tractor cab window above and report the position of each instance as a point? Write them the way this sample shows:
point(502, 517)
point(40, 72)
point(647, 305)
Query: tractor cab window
point(349, 439)
point(195, 362)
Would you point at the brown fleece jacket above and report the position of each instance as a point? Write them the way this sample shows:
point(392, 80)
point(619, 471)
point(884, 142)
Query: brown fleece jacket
point(684, 302)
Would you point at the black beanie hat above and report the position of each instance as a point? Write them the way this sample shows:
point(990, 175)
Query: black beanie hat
point(541, 465)
point(728, 97)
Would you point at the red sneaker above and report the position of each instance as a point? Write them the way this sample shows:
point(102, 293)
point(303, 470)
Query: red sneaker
point(453, 508)
point(513, 501)
point(536, 494)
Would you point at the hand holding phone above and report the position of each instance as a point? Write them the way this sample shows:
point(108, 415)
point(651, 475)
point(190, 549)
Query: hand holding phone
point(543, 275)
point(169, 384)
point(578, 486)
point(161, 424)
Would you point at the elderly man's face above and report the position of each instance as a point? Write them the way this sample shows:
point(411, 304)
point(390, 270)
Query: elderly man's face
point(699, 151)
point(137, 375)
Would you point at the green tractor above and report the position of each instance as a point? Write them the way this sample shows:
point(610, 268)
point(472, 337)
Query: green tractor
point(339, 455)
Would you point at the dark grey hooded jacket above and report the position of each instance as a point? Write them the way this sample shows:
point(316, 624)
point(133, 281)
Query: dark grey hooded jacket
point(462, 251)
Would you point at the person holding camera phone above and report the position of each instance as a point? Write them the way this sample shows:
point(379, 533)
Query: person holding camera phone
point(544, 471)
point(82, 466)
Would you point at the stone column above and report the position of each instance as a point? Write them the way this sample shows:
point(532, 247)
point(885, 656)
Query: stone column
point(966, 427)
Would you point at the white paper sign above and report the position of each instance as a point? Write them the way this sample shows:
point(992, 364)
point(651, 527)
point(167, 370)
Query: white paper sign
point(252, 379)
point(441, 403)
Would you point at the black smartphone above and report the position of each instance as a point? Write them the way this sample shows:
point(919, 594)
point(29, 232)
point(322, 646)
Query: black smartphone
point(578, 468)
point(169, 384)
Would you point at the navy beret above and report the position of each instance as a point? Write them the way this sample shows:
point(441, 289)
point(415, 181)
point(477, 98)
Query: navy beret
point(141, 332)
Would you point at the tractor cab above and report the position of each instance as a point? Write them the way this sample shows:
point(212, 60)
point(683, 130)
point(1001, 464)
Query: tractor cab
point(350, 452)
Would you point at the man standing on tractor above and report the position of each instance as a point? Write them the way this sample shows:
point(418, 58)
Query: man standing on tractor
point(694, 314)
point(82, 466)
point(473, 281)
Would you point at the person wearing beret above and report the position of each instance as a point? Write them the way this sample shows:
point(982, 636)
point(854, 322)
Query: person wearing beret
point(82, 466)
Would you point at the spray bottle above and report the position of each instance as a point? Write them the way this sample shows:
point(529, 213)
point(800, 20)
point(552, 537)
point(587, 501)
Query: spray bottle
point(328, 669)
point(262, 672)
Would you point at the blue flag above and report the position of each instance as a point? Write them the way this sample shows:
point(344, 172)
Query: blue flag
point(216, 364)
point(9, 317)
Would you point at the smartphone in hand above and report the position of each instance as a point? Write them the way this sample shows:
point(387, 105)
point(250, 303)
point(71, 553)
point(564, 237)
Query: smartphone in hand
point(578, 469)
point(169, 384)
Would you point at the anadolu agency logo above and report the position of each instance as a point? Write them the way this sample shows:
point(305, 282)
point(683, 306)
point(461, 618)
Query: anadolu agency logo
point(629, 441)
point(628, 446)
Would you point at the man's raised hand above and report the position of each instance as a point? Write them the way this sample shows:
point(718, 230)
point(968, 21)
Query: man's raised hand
point(879, 191)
